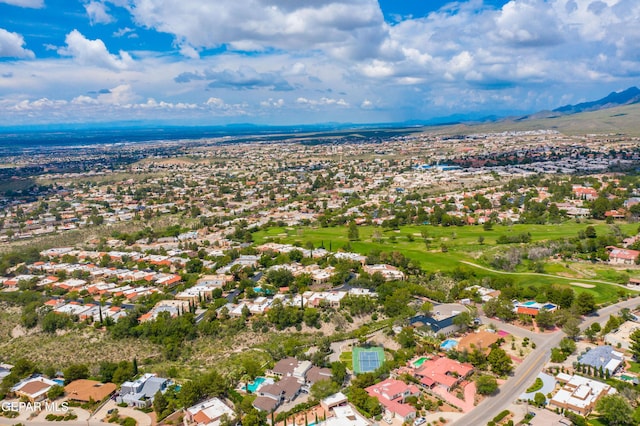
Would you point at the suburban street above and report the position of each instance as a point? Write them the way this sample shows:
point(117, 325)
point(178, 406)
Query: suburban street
point(525, 373)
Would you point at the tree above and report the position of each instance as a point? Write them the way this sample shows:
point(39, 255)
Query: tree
point(54, 392)
point(584, 303)
point(324, 388)
point(539, 399)
point(500, 362)
point(251, 367)
point(486, 385)
point(160, 404)
point(545, 318)
point(75, 372)
point(615, 410)
point(338, 372)
point(571, 328)
point(567, 346)
point(463, 320)
point(590, 334)
point(280, 277)
point(407, 338)
point(635, 344)
point(311, 317)
point(353, 234)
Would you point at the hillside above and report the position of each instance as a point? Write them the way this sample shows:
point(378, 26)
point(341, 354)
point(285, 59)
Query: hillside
point(626, 97)
point(619, 120)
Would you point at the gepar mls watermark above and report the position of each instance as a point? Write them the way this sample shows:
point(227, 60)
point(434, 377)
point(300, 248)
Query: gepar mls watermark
point(35, 406)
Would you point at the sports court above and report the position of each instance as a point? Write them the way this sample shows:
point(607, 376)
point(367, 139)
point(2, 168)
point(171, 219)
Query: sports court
point(366, 360)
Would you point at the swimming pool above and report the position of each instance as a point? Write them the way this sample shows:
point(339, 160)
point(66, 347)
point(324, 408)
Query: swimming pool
point(418, 362)
point(448, 344)
point(59, 381)
point(529, 303)
point(253, 386)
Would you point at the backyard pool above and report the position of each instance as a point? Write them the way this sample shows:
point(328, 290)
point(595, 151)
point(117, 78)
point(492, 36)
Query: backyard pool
point(253, 386)
point(529, 303)
point(448, 344)
point(418, 362)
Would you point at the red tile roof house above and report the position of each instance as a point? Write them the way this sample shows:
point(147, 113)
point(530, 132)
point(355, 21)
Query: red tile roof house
point(392, 393)
point(585, 193)
point(618, 256)
point(525, 310)
point(443, 372)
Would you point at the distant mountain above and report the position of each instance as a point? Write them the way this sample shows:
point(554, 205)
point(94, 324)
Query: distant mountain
point(614, 99)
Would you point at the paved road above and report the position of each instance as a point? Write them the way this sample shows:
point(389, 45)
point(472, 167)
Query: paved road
point(525, 373)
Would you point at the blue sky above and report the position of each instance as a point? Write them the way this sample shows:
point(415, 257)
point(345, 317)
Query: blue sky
point(308, 61)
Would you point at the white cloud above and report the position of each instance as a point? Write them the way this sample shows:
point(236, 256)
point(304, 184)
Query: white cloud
point(126, 31)
point(94, 52)
point(337, 57)
point(322, 101)
point(11, 46)
point(38, 104)
point(272, 103)
point(32, 4)
point(98, 13)
point(343, 28)
point(528, 23)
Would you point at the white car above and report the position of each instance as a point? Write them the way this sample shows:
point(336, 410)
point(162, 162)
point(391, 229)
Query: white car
point(419, 421)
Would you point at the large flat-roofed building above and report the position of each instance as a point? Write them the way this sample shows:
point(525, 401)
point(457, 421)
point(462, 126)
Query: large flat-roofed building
point(579, 394)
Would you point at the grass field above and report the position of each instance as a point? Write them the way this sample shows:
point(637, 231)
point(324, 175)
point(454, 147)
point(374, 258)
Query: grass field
point(463, 245)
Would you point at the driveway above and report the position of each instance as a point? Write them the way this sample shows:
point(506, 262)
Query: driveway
point(548, 385)
point(97, 419)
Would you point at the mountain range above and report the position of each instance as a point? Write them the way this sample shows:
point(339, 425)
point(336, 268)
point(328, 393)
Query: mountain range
point(626, 97)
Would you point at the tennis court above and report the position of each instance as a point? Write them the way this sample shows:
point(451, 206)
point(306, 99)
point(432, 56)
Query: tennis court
point(366, 360)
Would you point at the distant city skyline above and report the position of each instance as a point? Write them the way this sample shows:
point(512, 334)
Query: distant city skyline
point(280, 62)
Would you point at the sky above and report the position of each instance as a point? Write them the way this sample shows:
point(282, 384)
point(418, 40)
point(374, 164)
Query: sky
point(280, 62)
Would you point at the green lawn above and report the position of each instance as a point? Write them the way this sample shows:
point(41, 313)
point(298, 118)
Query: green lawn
point(462, 244)
point(635, 367)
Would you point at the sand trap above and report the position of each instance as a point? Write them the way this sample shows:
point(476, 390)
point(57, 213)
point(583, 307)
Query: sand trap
point(583, 285)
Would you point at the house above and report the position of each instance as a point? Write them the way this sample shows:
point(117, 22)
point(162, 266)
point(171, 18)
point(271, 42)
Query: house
point(272, 395)
point(140, 393)
point(440, 321)
point(620, 256)
point(605, 357)
point(390, 273)
point(332, 401)
point(88, 390)
point(344, 415)
point(391, 393)
point(585, 193)
point(208, 413)
point(532, 308)
point(443, 372)
point(579, 394)
point(33, 388)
